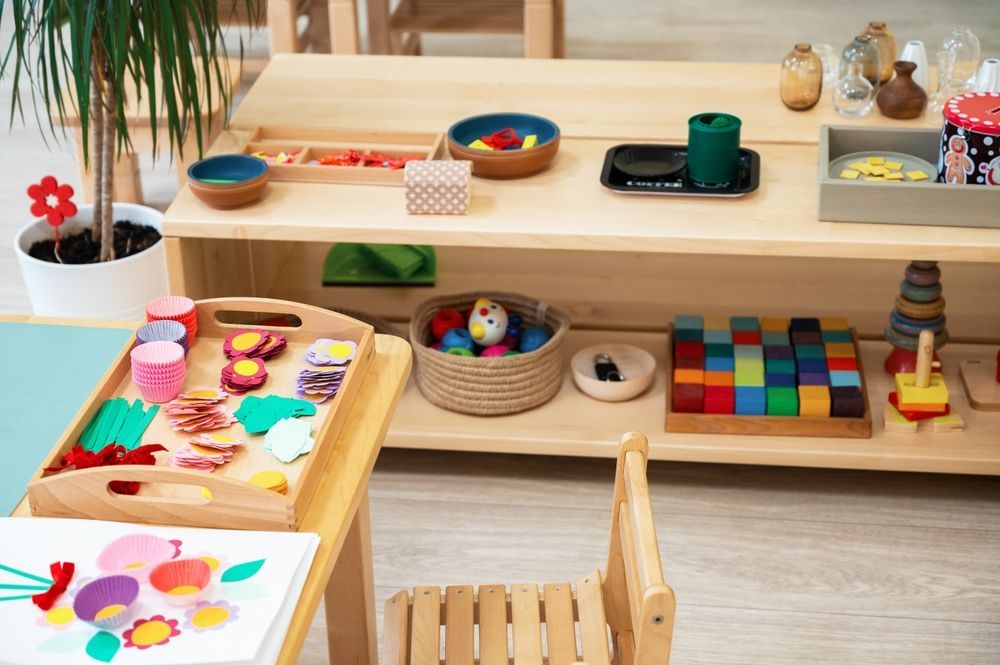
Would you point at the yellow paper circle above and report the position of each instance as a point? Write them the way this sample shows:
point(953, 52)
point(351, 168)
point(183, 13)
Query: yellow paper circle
point(109, 611)
point(59, 616)
point(150, 633)
point(268, 479)
point(212, 562)
point(246, 340)
point(183, 590)
point(245, 367)
point(207, 617)
point(338, 350)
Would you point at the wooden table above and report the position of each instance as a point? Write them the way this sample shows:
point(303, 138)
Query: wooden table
point(621, 265)
point(342, 568)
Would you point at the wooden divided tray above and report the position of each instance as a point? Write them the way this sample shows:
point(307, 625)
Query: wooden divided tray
point(311, 144)
point(171, 495)
point(715, 423)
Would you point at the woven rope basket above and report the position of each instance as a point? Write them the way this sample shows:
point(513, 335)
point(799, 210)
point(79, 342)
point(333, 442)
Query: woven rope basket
point(489, 386)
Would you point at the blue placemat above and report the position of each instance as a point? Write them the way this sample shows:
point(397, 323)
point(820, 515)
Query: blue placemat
point(46, 374)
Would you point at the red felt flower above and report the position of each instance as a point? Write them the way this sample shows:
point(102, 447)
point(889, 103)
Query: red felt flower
point(52, 201)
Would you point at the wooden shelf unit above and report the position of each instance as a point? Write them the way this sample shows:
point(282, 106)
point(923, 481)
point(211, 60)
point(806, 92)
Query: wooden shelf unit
point(576, 425)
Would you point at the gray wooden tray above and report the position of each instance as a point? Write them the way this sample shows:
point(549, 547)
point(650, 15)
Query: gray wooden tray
point(925, 203)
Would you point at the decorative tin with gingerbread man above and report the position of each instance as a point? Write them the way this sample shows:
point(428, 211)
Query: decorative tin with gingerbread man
point(970, 140)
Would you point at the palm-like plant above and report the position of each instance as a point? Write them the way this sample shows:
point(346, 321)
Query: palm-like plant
point(86, 52)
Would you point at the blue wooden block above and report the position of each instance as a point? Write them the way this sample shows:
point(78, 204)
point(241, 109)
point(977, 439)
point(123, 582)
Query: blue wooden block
point(814, 379)
point(748, 351)
point(780, 380)
point(751, 401)
point(844, 378)
point(717, 364)
point(778, 353)
point(744, 323)
point(688, 322)
point(718, 336)
point(775, 338)
point(812, 365)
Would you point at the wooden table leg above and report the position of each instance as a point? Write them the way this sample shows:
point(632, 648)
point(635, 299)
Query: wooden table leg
point(343, 21)
point(559, 29)
point(539, 28)
point(350, 597)
point(281, 26)
point(378, 27)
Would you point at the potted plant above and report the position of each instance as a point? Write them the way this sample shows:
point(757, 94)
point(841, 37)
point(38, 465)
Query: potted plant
point(87, 55)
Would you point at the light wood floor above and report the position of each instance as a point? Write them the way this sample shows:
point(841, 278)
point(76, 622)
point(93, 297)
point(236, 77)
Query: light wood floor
point(770, 566)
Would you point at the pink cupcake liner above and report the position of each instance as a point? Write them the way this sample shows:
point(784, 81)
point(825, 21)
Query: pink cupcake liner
point(170, 307)
point(158, 354)
point(160, 393)
point(135, 555)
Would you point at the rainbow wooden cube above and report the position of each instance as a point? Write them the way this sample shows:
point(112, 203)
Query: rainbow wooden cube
point(782, 401)
point(720, 399)
point(814, 401)
point(718, 336)
point(771, 324)
point(751, 400)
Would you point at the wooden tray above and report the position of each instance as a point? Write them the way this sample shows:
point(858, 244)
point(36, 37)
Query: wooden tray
point(171, 495)
point(314, 143)
point(715, 423)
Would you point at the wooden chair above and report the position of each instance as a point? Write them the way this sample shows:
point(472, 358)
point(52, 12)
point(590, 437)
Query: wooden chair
point(629, 598)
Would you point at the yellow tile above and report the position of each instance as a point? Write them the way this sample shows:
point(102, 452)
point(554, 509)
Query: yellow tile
point(861, 166)
point(916, 175)
point(814, 401)
point(873, 178)
point(530, 141)
point(849, 174)
point(893, 166)
point(894, 176)
point(879, 170)
point(479, 145)
point(895, 422)
point(876, 161)
point(921, 399)
point(768, 324)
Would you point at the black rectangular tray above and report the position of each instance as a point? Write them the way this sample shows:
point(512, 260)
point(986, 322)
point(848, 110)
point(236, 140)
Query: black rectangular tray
point(677, 183)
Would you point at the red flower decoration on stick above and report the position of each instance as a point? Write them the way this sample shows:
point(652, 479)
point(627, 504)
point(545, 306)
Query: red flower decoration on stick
point(52, 201)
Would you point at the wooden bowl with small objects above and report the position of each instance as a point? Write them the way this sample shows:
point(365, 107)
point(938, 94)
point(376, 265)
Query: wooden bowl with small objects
point(504, 145)
point(228, 181)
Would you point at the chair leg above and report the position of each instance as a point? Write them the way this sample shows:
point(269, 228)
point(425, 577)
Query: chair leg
point(539, 28)
point(281, 26)
point(378, 27)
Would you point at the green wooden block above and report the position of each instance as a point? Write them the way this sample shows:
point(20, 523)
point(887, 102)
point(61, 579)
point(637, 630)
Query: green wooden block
point(836, 336)
point(687, 335)
point(719, 350)
point(809, 351)
point(779, 366)
point(782, 402)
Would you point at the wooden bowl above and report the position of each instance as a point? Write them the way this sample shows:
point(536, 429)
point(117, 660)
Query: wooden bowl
point(228, 181)
point(513, 163)
point(638, 366)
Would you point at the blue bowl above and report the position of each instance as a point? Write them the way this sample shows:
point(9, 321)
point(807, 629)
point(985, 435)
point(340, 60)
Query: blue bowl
point(227, 169)
point(468, 130)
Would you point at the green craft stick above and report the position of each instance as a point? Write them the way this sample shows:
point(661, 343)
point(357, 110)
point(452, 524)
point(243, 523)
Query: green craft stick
point(134, 414)
point(89, 437)
point(23, 587)
point(120, 419)
point(15, 598)
point(114, 408)
point(136, 429)
point(15, 571)
point(218, 181)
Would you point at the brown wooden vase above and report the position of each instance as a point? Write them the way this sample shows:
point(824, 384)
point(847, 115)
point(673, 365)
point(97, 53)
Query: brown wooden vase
point(902, 98)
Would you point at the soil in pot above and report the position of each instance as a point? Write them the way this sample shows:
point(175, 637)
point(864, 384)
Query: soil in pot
point(79, 248)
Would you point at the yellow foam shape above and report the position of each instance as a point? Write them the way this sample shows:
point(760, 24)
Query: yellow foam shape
point(916, 175)
point(861, 166)
point(894, 176)
point(479, 145)
point(893, 166)
point(530, 141)
point(879, 170)
point(875, 178)
point(895, 422)
point(875, 161)
point(108, 611)
point(921, 398)
point(849, 174)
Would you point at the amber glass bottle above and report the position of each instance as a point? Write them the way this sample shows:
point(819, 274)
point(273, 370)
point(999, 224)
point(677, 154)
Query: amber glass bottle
point(886, 45)
point(801, 78)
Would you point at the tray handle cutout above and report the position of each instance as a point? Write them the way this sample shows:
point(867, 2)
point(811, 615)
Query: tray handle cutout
point(216, 316)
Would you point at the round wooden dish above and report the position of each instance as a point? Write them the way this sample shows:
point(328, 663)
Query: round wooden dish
point(638, 366)
point(504, 163)
point(228, 181)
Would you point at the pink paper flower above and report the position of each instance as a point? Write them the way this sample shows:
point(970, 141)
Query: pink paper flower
point(153, 631)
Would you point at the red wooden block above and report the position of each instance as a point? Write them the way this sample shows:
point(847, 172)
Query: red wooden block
point(720, 399)
point(746, 337)
point(833, 364)
point(689, 397)
point(689, 362)
point(689, 349)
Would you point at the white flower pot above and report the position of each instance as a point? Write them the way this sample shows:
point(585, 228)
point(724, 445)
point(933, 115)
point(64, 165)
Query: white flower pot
point(116, 289)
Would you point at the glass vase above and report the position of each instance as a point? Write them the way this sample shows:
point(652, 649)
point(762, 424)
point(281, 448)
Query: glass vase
point(885, 42)
point(963, 47)
point(862, 51)
point(854, 94)
point(801, 78)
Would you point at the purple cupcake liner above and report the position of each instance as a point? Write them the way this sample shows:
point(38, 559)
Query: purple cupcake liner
point(104, 592)
point(163, 331)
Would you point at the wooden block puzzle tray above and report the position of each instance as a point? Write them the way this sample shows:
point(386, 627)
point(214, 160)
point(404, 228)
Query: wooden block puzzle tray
point(310, 145)
point(170, 495)
point(758, 421)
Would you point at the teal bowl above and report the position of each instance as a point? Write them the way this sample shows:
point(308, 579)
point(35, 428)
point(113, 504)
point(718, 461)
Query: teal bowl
point(514, 163)
point(228, 181)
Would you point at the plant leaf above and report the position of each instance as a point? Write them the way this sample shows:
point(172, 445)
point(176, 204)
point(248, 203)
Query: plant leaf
point(242, 571)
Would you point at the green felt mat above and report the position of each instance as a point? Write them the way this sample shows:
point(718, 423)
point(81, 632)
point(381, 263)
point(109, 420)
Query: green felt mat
point(366, 264)
point(48, 371)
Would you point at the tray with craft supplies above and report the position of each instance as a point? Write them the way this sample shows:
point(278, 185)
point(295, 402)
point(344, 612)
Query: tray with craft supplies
point(890, 176)
point(375, 157)
point(771, 376)
point(223, 414)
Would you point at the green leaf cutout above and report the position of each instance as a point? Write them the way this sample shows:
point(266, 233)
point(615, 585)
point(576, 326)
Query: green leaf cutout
point(103, 646)
point(242, 571)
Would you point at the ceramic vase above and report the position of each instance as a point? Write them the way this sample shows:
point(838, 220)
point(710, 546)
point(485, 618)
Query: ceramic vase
point(914, 51)
point(901, 98)
point(988, 78)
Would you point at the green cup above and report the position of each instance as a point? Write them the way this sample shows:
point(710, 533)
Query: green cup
point(713, 157)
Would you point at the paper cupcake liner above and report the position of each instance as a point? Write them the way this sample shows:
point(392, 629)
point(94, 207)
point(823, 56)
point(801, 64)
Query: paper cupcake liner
point(158, 354)
point(181, 582)
point(107, 602)
point(160, 393)
point(135, 555)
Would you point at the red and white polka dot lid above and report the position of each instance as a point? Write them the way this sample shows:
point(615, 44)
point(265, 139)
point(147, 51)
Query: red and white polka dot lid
point(975, 111)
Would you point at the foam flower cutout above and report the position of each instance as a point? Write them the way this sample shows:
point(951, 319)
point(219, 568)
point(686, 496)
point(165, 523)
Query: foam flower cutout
point(150, 632)
point(52, 201)
point(60, 617)
point(210, 616)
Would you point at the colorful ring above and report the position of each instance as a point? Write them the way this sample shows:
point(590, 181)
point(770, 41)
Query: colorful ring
point(919, 310)
point(921, 276)
point(912, 327)
point(920, 293)
point(909, 343)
